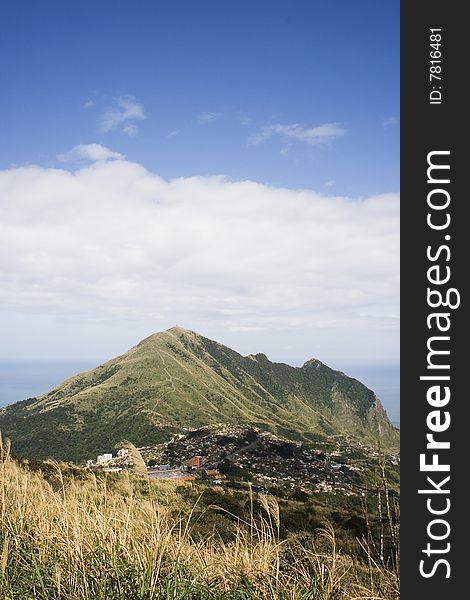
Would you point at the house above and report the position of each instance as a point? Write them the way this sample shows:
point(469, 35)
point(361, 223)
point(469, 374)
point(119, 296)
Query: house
point(195, 462)
point(103, 459)
point(123, 452)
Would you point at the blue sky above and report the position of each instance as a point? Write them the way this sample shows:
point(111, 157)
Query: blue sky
point(211, 78)
point(230, 167)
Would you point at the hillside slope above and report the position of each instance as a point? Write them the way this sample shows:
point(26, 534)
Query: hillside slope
point(177, 379)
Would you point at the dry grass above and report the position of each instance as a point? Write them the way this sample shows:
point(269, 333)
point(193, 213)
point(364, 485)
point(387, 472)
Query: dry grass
point(78, 539)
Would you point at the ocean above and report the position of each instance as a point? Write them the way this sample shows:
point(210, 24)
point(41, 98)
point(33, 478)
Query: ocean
point(385, 382)
point(21, 380)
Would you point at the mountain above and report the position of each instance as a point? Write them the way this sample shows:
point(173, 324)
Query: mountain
point(179, 379)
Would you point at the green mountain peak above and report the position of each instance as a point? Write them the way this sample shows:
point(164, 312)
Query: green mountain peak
point(179, 379)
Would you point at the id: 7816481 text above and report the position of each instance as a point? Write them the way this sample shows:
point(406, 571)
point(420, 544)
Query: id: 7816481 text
point(435, 66)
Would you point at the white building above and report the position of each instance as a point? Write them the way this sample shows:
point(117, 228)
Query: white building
point(102, 459)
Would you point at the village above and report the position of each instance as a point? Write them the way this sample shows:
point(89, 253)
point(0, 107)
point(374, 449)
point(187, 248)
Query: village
point(229, 455)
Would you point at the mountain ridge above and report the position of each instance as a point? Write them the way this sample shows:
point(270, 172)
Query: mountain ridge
point(180, 379)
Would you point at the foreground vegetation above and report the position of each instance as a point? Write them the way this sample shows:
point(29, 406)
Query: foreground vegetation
point(66, 533)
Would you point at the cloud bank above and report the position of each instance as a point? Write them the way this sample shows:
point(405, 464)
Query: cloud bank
point(115, 241)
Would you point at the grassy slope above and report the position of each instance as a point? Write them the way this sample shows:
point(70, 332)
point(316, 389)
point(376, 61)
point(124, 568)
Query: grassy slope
point(68, 534)
point(179, 379)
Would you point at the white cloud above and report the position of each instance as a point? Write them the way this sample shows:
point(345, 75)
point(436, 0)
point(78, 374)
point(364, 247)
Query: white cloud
point(389, 122)
point(113, 241)
point(89, 152)
point(89, 104)
point(208, 117)
point(172, 134)
point(243, 119)
point(130, 130)
point(313, 136)
point(122, 116)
